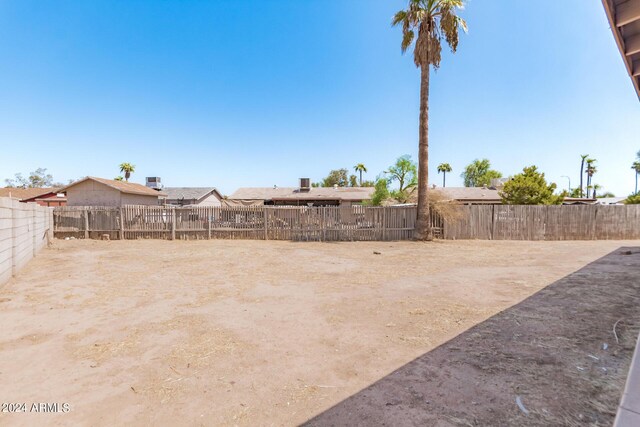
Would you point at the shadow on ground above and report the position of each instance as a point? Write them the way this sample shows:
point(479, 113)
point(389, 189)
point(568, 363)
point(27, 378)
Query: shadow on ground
point(553, 359)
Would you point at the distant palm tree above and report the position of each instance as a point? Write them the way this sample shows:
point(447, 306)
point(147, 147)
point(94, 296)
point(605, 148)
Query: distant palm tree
point(127, 169)
point(636, 167)
point(360, 168)
point(595, 187)
point(591, 170)
point(428, 22)
point(584, 158)
point(444, 168)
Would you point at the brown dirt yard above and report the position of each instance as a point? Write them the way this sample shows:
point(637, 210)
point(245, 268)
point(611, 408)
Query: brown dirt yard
point(246, 332)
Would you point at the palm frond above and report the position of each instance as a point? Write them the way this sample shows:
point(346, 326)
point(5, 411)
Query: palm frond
point(399, 17)
point(427, 22)
point(407, 39)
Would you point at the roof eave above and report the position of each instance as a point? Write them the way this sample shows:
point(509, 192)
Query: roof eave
point(618, 38)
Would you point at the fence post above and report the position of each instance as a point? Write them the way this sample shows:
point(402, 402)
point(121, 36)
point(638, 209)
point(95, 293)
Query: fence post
point(493, 220)
point(209, 225)
point(86, 223)
point(266, 222)
point(121, 223)
point(173, 223)
point(384, 223)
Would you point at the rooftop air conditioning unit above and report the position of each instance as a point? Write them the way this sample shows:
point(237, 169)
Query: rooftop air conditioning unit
point(305, 184)
point(154, 182)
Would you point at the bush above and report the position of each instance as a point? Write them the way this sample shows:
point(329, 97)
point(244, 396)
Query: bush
point(530, 188)
point(633, 199)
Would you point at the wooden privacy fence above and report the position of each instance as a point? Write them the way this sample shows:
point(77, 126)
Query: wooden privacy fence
point(484, 222)
point(578, 222)
point(351, 223)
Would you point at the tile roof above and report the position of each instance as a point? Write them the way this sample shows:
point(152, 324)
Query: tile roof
point(294, 193)
point(123, 186)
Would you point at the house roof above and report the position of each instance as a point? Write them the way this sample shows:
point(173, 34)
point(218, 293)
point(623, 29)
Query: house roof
point(123, 186)
point(189, 193)
point(611, 200)
point(624, 19)
point(26, 193)
point(469, 193)
point(294, 193)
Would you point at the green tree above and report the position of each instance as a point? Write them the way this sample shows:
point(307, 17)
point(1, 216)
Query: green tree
point(633, 199)
point(336, 177)
point(381, 192)
point(368, 183)
point(37, 179)
point(576, 192)
point(444, 168)
point(428, 22)
point(127, 169)
point(353, 181)
point(405, 171)
point(118, 178)
point(360, 168)
point(479, 173)
point(583, 157)
point(606, 194)
point(530, 188)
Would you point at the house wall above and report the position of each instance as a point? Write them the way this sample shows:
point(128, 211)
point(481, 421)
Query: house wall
point(52, 202)
point(210, 200)
point(139, 199)
point(50, 199)
point(25, 228)
point(92, 193)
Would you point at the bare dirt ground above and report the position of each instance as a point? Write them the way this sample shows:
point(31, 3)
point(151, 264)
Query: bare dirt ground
point(559, 358)
point(246, 332)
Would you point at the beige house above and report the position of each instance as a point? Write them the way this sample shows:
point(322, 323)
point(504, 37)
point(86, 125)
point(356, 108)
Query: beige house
point(92, 191)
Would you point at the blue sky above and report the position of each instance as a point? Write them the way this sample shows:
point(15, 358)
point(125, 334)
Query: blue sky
point(257, 93)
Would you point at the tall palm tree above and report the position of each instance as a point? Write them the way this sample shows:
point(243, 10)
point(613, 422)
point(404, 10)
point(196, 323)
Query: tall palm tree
point(636, 167)
point(444, 168)
point(428, 22)
point(584, 158)
point(360, 168)
point(596, 188)
point(127, 169)
point(591, 170)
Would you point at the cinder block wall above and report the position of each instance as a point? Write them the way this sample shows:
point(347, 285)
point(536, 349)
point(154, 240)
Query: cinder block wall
point(25, 228)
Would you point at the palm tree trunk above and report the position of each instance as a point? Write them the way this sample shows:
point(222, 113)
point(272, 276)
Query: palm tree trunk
point(636, 183)
point(423, 224)
point(581, 176)
point(444, 179)
point(360, 177)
